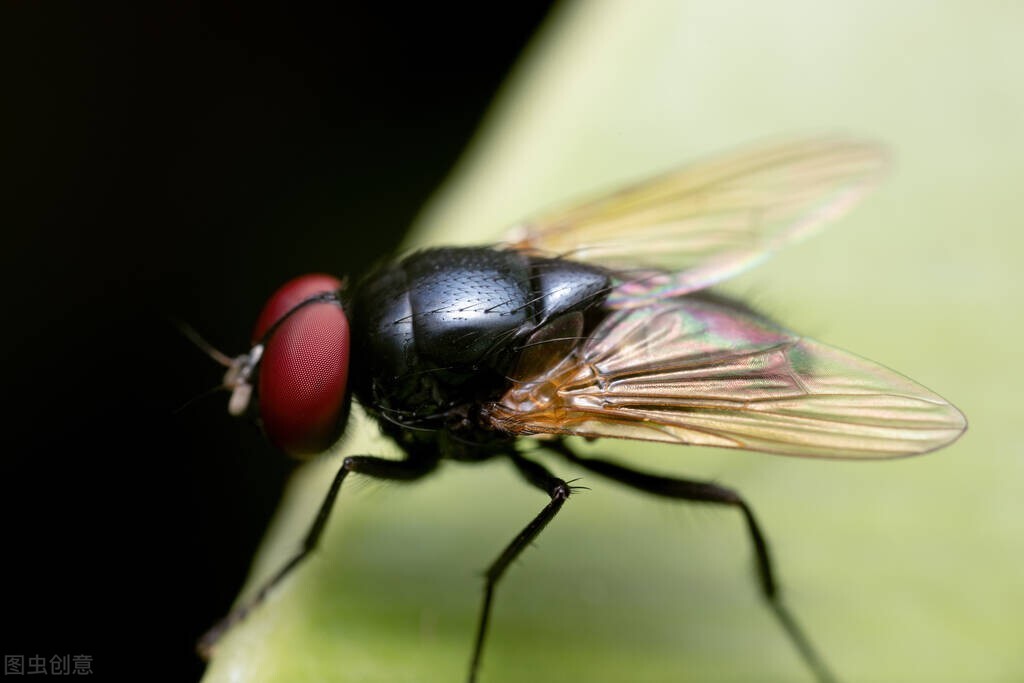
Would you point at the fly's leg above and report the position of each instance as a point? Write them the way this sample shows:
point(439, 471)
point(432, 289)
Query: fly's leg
point(559, 491)
point(705, 492)
point(380, 468)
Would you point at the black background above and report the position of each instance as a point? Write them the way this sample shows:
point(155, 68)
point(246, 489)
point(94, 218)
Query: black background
point(176, 161)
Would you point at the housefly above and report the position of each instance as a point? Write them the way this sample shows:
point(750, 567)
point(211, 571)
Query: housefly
point(592, 321)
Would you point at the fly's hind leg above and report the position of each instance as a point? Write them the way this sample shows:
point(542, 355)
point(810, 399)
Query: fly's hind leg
point(706, 492)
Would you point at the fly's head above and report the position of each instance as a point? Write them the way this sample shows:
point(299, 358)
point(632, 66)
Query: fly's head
point(295, 376)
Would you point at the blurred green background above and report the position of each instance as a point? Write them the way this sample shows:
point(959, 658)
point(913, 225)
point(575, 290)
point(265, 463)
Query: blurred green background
point(908, 570)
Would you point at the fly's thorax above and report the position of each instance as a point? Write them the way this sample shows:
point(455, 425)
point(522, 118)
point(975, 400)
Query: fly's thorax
point(443, 329)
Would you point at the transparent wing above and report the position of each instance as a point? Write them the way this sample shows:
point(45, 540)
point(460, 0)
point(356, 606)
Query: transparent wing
point(708, 372)
point(692, 228)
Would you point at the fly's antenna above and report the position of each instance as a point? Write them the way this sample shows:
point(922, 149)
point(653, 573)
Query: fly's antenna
point(237, 377)
point(206, 347)
point(195, 399)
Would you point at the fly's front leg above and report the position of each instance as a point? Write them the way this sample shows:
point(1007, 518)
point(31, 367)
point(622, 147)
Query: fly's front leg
point(380, 468)
point(706, 492)
point(559, 491)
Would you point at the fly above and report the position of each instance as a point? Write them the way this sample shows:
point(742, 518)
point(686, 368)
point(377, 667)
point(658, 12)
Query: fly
point(593, 321)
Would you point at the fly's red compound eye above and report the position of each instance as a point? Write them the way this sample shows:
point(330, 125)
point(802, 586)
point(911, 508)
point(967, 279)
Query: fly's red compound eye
point(290, 295)
point(304, 367)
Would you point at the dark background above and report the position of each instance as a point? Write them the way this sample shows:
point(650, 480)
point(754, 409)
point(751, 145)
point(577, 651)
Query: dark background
point(172, 161)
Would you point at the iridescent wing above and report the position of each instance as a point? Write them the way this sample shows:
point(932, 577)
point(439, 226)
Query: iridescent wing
point(692, 228)
point(708, 372)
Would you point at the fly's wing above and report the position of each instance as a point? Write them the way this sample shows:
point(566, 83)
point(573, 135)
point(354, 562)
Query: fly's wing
point(690, 229)
point(707, 372)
